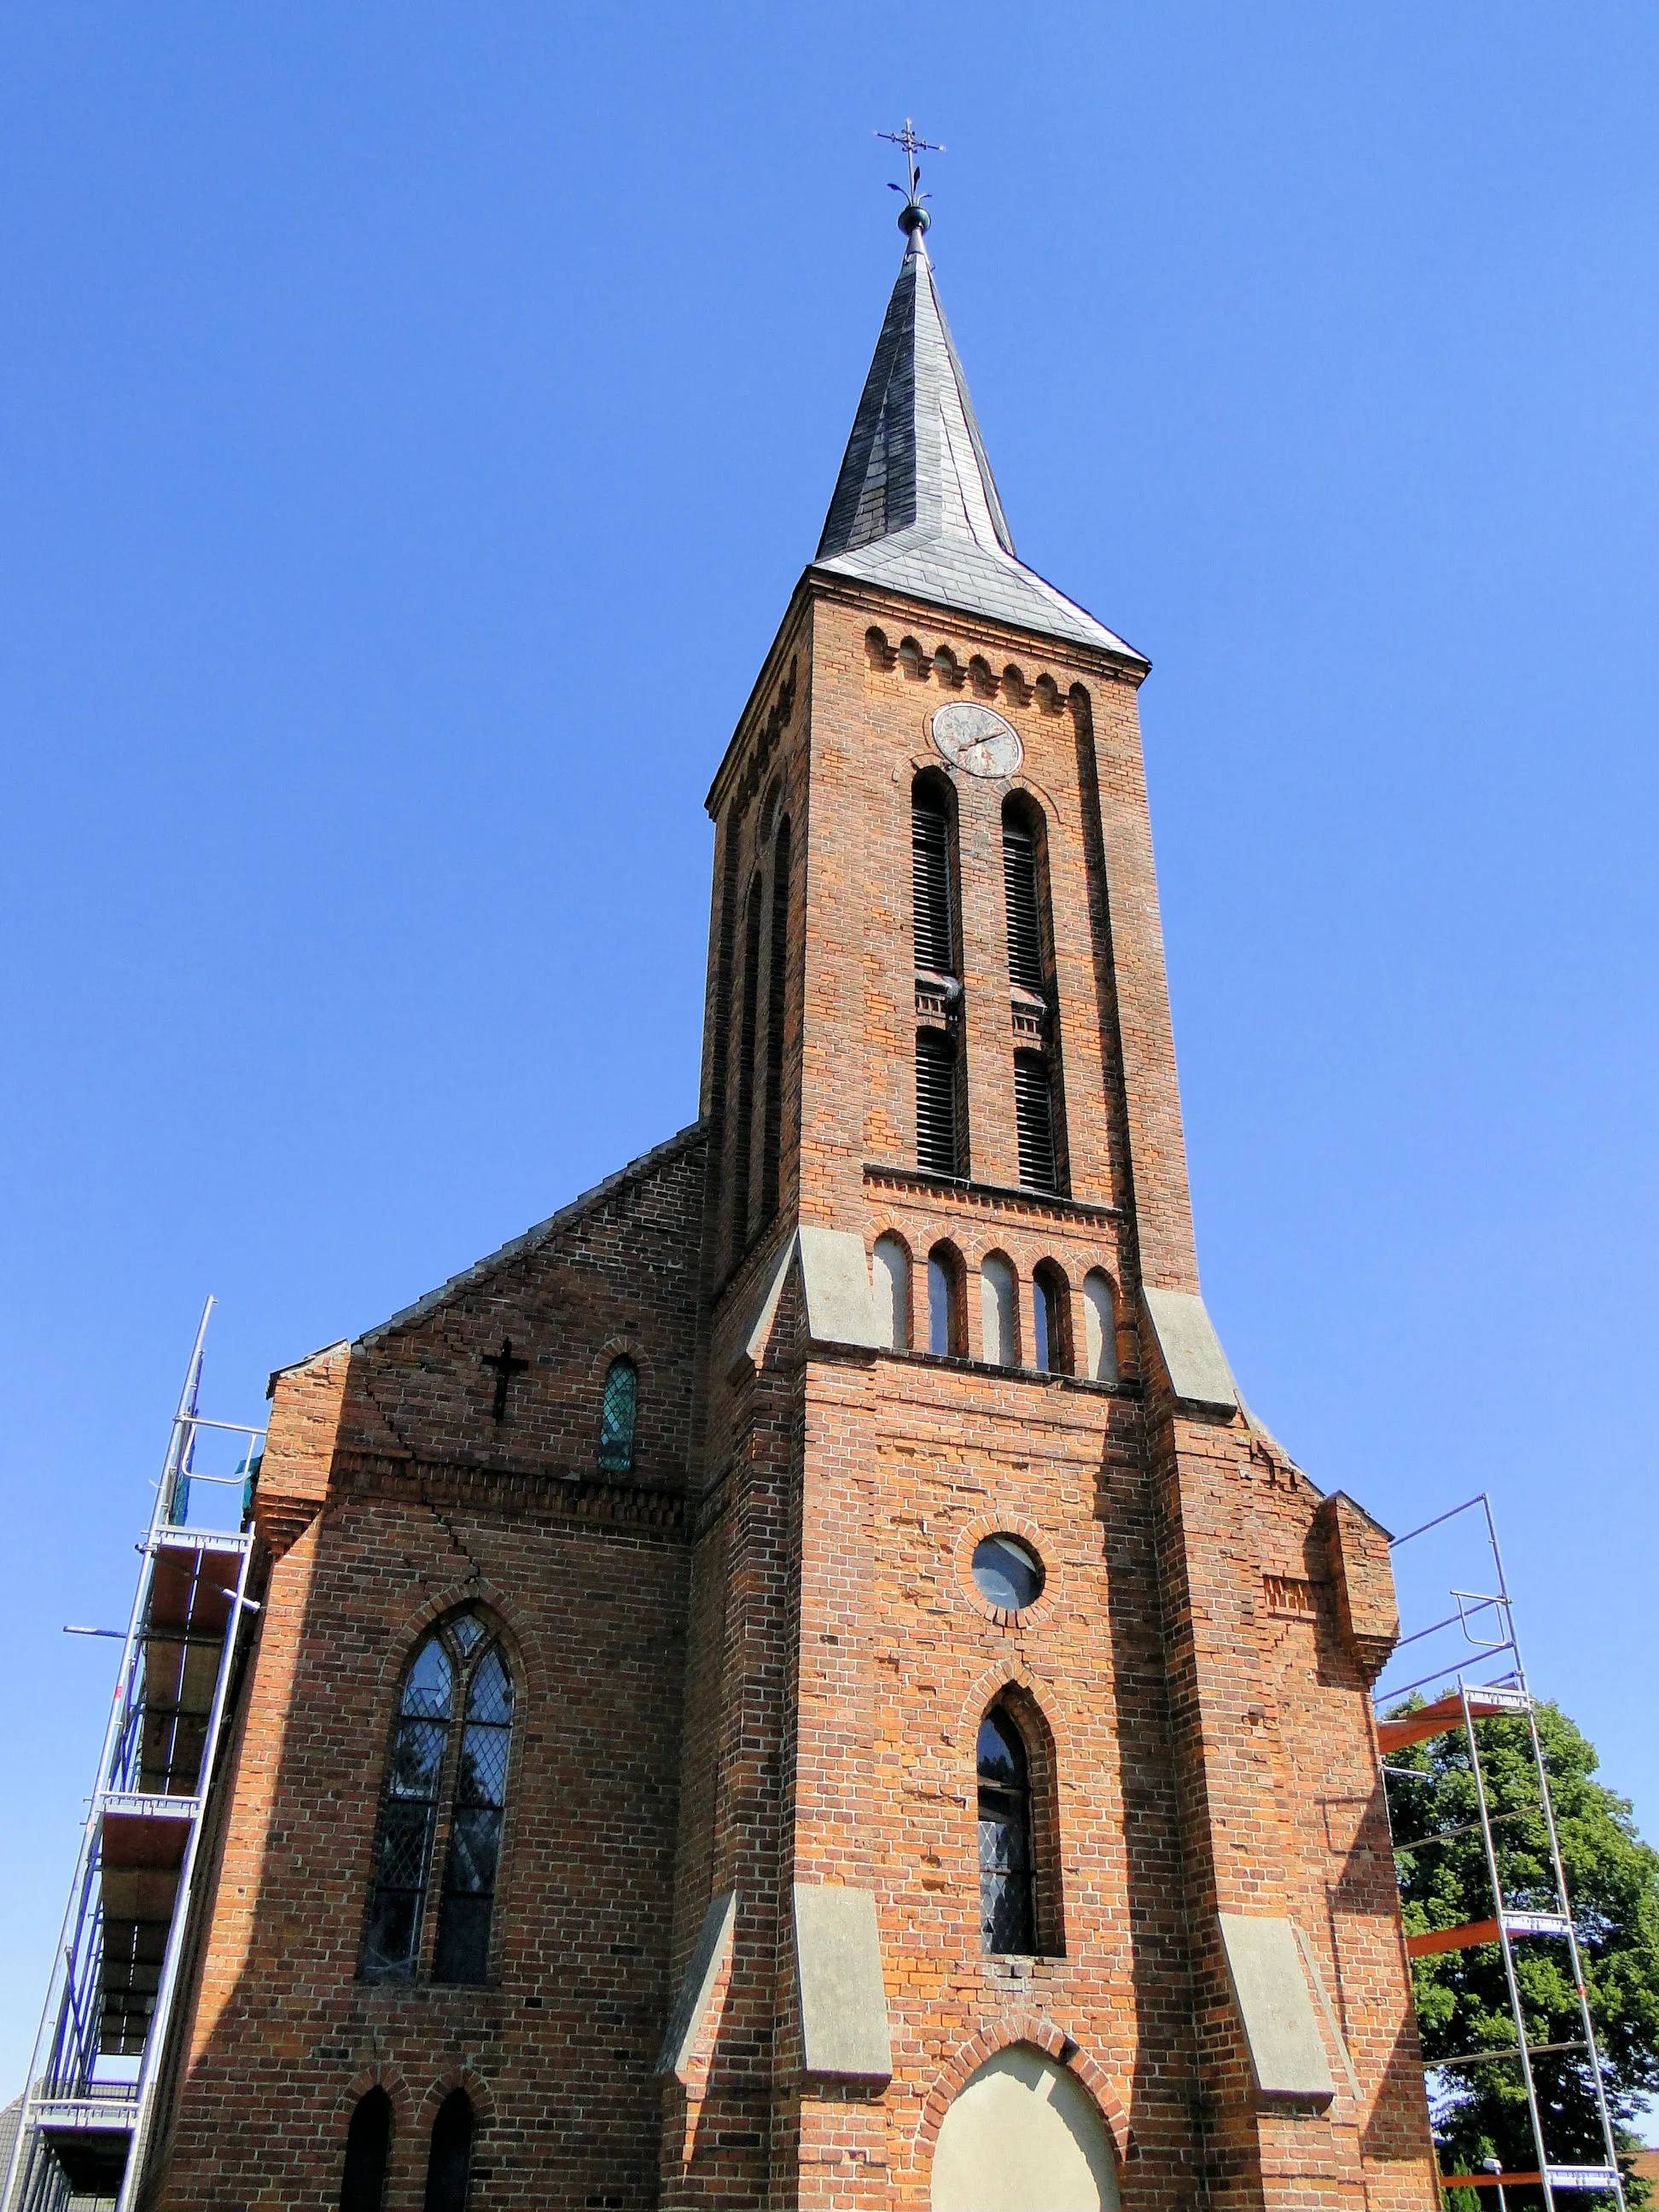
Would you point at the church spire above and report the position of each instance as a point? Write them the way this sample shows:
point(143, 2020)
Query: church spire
point(915, 506)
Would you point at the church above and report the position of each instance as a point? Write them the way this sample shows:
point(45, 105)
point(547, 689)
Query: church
point(800, 1681)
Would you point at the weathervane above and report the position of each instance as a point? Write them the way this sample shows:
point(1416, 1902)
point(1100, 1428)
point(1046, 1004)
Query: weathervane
point(914, 215)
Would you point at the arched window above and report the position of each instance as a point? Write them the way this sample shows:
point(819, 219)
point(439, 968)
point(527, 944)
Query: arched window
point(941, 1135)
point(777, 973)
point(890, 1277)
point(1007, 1920)
point(945, 1322)
point(748, 1028)
point(1035, 995)
point(449, 2164)
point(409, 1813)
point(1053, 1308)
point(998, 1307)
point(617, 1418)
point(449, 1751)
point(368, 2147)
point(1099, 1327)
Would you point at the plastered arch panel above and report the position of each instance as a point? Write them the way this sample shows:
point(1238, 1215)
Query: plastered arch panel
point(1023, 2131)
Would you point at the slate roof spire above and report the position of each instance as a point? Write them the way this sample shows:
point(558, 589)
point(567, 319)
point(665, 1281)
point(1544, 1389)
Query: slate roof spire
point(915, 506)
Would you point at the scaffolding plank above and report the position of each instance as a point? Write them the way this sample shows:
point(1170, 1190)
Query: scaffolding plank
point(1537, 1923)
point(146, 1832)
point(1451, 1938)
point(1485, 2180)
point(1446, 1713)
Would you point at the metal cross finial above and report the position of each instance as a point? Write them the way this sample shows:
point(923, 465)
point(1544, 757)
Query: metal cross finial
point(912, 146)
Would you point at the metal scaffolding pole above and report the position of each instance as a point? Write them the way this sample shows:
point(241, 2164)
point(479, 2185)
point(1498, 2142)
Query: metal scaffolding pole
point(1489, 1648)
point(87, 2123)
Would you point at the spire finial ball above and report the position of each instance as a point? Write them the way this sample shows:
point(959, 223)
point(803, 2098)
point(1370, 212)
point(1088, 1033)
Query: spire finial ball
point(913, 218)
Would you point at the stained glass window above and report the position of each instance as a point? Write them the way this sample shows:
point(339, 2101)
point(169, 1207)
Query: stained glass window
point(622, 1398)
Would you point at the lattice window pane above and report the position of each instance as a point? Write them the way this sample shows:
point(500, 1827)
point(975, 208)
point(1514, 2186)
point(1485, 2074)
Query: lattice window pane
point(418, 1758)
point(490, 1698)
point(474, 1844)
point(427, 1690)
point(483, 1776)
point(463, 1947)
point(622, 1387)
point(1006, 1918)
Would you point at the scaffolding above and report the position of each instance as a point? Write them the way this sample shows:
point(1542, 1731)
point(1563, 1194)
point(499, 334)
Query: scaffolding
point(1480, 1678)
point(96, 2079)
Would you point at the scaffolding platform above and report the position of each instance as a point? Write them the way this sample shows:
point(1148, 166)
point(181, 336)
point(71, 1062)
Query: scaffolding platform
point(96, 2077)
point(1480, 1678)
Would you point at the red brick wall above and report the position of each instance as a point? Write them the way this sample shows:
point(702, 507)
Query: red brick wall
point(431, 1504)
point(761, 1659)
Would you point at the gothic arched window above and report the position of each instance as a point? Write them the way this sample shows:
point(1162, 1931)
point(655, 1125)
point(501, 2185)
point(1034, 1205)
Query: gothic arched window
point(449, 2163)
point(1007, 1920)
point(448, 1771)
point(368, 2146)
point(616, 1418)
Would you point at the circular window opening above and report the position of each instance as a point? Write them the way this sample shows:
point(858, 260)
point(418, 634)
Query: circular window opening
point(1007, 1573)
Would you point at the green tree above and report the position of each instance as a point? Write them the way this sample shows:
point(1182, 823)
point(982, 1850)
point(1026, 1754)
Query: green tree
point(1480, 2111)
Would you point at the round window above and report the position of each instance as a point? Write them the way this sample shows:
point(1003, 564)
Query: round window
point(1007, 1573)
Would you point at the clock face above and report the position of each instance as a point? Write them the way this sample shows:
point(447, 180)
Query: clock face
point(977, 741)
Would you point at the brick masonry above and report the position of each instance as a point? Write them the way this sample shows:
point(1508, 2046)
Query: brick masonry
point(758, 1657)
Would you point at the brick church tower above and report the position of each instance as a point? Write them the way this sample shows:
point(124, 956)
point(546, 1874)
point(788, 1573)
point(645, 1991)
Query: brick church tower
point(800, 1682)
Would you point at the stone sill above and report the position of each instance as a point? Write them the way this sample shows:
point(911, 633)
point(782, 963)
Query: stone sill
point(1047, 1204)
point(1126, 1387)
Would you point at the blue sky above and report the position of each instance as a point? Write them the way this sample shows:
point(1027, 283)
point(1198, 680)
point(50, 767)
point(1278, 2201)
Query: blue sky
point(414, 422)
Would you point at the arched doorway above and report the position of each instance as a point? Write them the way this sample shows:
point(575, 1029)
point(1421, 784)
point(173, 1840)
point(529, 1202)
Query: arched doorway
point(1023, 2135)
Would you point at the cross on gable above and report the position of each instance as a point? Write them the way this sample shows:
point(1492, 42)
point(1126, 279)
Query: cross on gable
point(506, 1367)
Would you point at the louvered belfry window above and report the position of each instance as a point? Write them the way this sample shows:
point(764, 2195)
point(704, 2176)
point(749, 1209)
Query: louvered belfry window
point(936, 1102)
point(940, 1147)
point(930, 861)
point(1034, 1115)
point(1019, 876)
